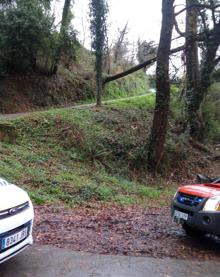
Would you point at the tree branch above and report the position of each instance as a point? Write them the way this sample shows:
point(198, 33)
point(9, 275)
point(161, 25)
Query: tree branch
point(199, 37)
point(138, 67)
point(217, 60)
point(213, 12)
point(206, 30)
point(199, 6)
point(182, 34)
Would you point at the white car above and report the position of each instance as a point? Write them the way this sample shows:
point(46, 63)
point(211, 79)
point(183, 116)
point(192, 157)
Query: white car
point(16, 220)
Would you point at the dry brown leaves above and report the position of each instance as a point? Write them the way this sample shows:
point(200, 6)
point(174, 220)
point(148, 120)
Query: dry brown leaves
point(110, 229)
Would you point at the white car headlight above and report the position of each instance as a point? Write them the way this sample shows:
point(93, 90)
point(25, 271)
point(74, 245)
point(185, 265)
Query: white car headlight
point(212, 204)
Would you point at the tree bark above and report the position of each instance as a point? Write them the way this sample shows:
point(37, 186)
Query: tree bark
point(160, 121)
point(99, 81)
point(192, 69)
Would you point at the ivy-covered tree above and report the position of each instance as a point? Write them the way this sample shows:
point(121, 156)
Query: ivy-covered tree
point(203, 30)
point(210, 58)
point(98, 27)
point(64, 42)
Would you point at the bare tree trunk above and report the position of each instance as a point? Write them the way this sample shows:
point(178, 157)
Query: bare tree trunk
point(83, 31)
point(119, 42)
point(160, 121)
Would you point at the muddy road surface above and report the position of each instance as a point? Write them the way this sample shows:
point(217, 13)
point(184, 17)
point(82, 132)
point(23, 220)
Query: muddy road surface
point(129, 231)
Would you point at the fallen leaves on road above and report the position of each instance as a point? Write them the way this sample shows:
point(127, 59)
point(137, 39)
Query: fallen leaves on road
point(111, 229)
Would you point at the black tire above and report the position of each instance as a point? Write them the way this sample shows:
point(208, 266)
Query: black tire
point(192, 231)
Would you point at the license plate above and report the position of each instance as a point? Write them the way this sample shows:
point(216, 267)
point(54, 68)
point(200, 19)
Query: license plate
point(14, 239)
point(178, 216)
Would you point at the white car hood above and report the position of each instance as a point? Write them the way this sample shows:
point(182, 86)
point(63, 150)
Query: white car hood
point(11, 196)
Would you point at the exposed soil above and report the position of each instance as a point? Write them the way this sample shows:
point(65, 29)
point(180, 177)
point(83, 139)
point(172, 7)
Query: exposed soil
point(30, 92)
point(122, 231)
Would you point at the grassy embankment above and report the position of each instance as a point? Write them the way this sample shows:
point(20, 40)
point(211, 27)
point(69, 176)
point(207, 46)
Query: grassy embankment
point(74, 156)
point(21, 93)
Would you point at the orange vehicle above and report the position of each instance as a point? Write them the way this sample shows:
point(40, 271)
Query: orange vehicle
point(197, 207)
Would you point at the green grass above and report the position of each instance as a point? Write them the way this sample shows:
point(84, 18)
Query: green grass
point(142, 102)
point(73, 156)
point(131, 85)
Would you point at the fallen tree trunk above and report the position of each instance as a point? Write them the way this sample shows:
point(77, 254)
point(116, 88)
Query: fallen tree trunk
point(138, 67)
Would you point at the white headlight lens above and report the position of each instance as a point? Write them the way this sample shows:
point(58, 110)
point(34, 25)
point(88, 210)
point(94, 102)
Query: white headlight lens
point(212, 204)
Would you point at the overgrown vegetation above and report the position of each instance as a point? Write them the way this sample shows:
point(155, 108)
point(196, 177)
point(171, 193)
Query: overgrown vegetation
point(211, 114)
point(72, 156)
point(29, 38)
point(209, 110)
point(42, 64)
point(136, 84)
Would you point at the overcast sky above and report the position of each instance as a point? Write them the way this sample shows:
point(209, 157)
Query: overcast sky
point(143, 17)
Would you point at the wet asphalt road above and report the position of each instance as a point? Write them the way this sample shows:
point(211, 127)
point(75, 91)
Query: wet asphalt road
point(44, 261)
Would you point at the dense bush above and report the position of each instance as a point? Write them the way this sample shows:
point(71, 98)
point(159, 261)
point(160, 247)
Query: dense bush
point(24, 28)
point(28, 37)
point(211, 113)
